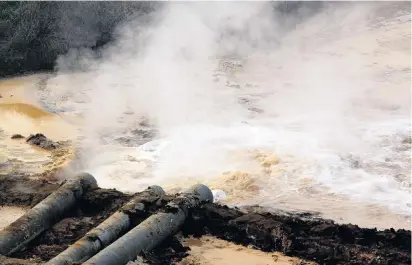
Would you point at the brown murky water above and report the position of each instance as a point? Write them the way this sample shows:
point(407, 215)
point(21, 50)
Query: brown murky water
point(208, 250)
point(19, 114)
point(9, 214)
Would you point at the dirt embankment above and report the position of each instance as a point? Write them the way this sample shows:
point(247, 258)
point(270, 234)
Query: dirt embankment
point(294, 234)
point(302, 235)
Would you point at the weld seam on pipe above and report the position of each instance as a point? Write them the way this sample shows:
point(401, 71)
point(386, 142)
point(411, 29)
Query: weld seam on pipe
point(42, 216)
point(153, 230)
point(107, 232)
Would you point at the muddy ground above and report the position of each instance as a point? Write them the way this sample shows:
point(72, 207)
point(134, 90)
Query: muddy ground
point(300, 235)
point(20, 190)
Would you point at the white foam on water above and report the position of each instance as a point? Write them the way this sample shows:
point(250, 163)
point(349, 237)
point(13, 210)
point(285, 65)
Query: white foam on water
point(205, 152)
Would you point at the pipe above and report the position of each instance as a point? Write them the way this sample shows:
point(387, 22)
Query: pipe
point(42, 216)
point(108, 231)
point(153, 230)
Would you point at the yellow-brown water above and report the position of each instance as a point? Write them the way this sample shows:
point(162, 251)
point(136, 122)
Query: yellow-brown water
point(25, 109)
point(212, 251)
point(19, 115)
point(9, 214)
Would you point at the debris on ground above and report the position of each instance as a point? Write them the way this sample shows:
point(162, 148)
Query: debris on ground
point(17, 136)
point(41, 141)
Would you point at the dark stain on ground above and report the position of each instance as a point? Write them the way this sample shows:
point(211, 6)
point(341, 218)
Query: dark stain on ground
point(295, 234)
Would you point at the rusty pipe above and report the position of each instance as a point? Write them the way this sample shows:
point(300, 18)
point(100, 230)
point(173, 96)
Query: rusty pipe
point(108, 231)
point(42, 216)
point(153, 230)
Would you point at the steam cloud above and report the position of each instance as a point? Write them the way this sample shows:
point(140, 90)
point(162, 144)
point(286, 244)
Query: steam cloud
point(306, 92)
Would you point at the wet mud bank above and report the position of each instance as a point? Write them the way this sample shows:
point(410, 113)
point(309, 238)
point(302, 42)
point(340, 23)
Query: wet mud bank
point(20, 190)
point(302, 235)
point(299, 235)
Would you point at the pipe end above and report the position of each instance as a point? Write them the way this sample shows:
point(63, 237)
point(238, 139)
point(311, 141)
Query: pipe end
point(156, 190)
point(87, 180)
point(203, 191)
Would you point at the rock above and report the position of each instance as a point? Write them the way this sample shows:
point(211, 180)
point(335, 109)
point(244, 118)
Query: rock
point(41, 141)
point(17, 136)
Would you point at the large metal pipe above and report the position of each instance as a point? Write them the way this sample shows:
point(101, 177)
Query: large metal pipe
point(42, 216)
point(153, 230)
point(108, 231)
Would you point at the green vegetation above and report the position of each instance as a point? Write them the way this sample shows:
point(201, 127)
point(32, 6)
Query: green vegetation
point(33, 34)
